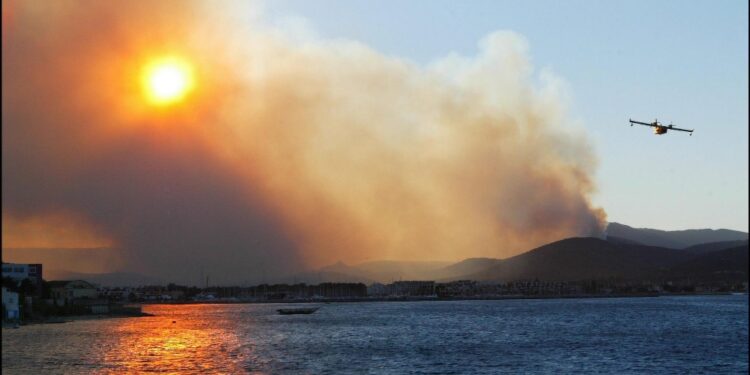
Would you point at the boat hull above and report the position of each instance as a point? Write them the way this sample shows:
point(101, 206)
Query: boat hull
point(305, 310)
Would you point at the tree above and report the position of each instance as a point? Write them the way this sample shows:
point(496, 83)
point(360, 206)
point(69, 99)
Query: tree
point(10, 284)
point(46, 290)
point(27, 287)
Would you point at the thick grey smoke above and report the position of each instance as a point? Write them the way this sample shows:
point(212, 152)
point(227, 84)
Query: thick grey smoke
point(288, 153)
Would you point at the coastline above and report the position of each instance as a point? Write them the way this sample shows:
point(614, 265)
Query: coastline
point(430, 298)
point(72, 318)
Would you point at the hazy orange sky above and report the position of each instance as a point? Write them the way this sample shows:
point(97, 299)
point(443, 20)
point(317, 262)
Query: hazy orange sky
point(287, 152)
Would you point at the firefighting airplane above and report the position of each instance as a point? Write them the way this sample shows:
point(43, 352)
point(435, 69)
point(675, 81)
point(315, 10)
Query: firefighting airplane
point(660, 129)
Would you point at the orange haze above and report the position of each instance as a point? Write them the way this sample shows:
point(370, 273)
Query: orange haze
point(288, 152)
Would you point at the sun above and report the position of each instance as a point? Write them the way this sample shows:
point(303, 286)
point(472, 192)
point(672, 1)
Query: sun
point(167, 80)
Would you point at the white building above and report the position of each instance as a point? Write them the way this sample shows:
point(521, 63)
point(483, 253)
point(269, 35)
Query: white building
point(19, 272)
point(10, 303)
point(69, 290)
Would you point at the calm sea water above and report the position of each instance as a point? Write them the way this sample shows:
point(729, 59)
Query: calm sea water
point(664, 335)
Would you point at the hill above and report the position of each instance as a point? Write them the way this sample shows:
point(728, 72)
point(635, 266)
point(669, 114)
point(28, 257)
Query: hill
point(465, 267)
point(581, 259)
point(727, 265)
point(566, 260)
point(678, 239)
point(715, 246)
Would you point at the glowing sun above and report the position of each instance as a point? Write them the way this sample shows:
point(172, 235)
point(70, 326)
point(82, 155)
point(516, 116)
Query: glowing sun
point(167, 80)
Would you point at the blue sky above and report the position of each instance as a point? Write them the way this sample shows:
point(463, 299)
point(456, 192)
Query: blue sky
point(679, 61)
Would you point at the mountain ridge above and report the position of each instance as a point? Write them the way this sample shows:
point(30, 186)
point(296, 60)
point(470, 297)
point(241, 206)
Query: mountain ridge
point(677, 239)
point(567, 259)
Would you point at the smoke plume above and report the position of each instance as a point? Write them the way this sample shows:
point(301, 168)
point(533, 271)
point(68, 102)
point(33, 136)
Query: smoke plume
point(289, 153)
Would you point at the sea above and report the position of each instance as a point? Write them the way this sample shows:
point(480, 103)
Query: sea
point(649, 335)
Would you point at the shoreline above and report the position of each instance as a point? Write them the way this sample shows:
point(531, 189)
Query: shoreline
point(72, 318)
point(423, 299)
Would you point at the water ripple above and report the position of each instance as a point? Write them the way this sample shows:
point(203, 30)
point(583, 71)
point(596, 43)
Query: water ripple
point(662, 335)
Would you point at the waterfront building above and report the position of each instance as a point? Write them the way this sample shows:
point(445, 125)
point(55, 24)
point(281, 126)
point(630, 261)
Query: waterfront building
point(94, 306)
point(295, 292)
point(114, 294)
point(20, 272)
point(377, 290)
point(412, 288)
point(10, 304)
point(340, 290)
point(65, 291)
point(459, 288)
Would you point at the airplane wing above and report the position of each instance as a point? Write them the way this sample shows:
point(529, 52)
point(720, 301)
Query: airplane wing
point(682, 130)
point(641, 123)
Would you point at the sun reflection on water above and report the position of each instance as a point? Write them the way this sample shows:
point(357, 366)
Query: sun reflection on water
point(185, 344)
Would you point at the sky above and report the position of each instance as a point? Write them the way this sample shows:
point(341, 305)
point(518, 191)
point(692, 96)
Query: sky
point(250, 138)
point(684, 62)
